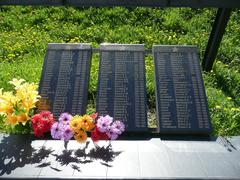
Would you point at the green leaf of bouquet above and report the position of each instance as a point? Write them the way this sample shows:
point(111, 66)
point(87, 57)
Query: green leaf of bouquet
point(15, 108)
point(12, 126)
point(31, 112)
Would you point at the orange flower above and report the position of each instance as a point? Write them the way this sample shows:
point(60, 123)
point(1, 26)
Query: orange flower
point(22, 117)
point(11, 119)
point(87, 123)
point(81, 136)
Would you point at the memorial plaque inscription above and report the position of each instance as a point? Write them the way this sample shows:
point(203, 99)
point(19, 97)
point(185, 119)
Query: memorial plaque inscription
point(121, 85)
point(181, 99)
point(64, 81)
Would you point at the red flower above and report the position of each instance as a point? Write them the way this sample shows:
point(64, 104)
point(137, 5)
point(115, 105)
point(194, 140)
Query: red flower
point(96, 135)
point(94, 115)
point(42, 122)
point(46, 115)
point(35, 119)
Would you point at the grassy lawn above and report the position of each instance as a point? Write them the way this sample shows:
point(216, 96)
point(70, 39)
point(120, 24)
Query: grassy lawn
point(26, 31)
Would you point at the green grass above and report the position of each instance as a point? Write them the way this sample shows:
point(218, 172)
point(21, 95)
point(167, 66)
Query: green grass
point(28, 68)
point(26, 31)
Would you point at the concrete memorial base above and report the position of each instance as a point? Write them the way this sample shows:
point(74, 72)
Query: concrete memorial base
point(24, 157)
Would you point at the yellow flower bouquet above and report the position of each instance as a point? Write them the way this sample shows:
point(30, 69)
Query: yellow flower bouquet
point(17, 107)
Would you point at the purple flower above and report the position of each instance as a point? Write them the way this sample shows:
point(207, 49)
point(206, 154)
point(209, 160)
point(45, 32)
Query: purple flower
point(63, 124)
point(56, 131)
point(66, 133)
point(65, 118)
point(120, 126)
point(103, 123)
point(113, 133)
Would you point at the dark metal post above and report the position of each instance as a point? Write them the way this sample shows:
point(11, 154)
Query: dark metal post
point(222, 17)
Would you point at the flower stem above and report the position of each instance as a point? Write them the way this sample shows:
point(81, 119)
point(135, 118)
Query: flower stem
point(65, 144)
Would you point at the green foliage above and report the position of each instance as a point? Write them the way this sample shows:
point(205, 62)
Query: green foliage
point(20, 128)
point(225, 114)
point(223, 92)
point(93, 76)
point(2, 127)
point(28, 68)
point(26, 31)
point(150, 81)
point(228, 80)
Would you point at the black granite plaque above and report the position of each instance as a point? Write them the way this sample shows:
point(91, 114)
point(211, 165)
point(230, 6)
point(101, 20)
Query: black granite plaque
point(181, 100)
point(121, 85)
point(65, 76)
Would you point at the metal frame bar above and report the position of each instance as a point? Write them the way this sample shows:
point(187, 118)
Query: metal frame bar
point(218, 29)
point(147, 3)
